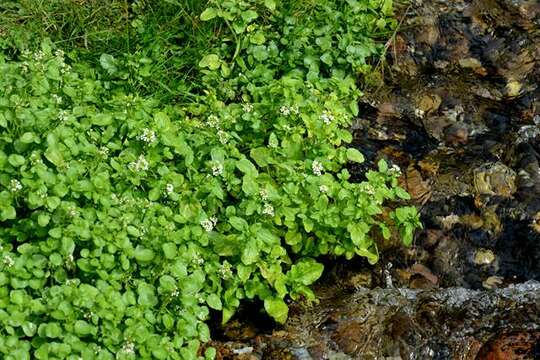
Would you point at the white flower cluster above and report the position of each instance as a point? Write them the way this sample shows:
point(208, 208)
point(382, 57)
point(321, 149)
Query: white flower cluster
point(128, 348)
point(317, 168)
point(104, 151)
point(39, 55)
point(148, 136)
point(288, 110)
point(169, 188)
point(247, 108)
point(327, 117)
point(209, 224)
point(72, 211)
point(395, 169)
point(15, 185)
point(222, 136)
point(175, 293)
point(263, 194)
point(63, 115)
point(59, 54)
point(369, 189)
point(213, 121)
point(217, 169)
point(57, 98)
point(323, 189)
point(225, 271)
point(268, 209)
point(141, 164)
point(8, 261)
point(197, 259)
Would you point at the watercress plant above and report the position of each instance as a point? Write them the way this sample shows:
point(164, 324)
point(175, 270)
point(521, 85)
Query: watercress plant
point(125, 220)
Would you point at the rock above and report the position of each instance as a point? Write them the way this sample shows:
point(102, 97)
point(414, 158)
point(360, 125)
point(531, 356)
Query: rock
point(495, 179)
point(473, 64)
point(361, 280)
point(429, 103)
point(419, 188)
point(484, 257)
point(456, 134)
point(425, 272)
point(517, 345)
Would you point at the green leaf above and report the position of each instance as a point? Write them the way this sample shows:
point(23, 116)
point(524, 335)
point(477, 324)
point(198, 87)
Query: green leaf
point(208, 14)
point(16, 160)
point(83, 328)
point(108, 62)
point(43, 220)
point(402, 194)
point(355, 155)
point(249, 15)
point(144, 255)
point(270, 4)
point(210, 61)
point(214, 302)
point(383, 166)
point(277, 309)
point(238, 223)
point(250, 252)
point(249, 185)
point(247, 167)
point(305, 272)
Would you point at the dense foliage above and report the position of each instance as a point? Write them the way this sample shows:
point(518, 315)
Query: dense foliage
point(125, 217)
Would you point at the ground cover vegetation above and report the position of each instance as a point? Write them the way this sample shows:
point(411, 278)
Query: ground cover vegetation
point(160, 160)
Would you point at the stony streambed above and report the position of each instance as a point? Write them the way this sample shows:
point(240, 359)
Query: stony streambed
point(459, 111)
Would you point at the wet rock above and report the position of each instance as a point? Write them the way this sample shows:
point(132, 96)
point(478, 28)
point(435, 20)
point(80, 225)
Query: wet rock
point(516, 345)
point(419, 188)
point(495, 179)
point(473, 64)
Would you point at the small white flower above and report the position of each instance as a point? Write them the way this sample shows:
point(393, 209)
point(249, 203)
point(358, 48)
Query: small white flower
point(327, 117)
point(148, 136)
point(59, 54)
point(128, 348)
point(395, 169)
point(175, 293)
point(247, 108)
point(169, 188)
point(285, 110)
point(209, 224)
point(104, 151)
point(264, 194)
point(369, 189)
point(225, 271)
point(63, 115)
point(141, 164)
point(57, 99)
point(222, 136)
point(72, 212)
point(39, 55)
point(217, 169)
point(323, 189)
point(197, 259)
point(317, 168)
point(15, 185)
point(8, 261)
point(268, 209)
point(213, 121)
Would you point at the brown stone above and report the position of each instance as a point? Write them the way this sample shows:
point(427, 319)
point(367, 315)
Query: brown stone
point(518, 345)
